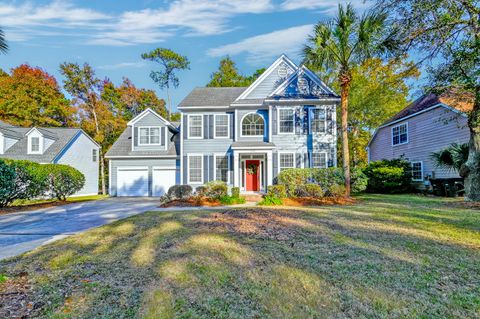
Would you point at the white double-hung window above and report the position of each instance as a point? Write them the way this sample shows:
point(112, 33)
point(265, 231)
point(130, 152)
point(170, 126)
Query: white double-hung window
point(221, 168)
point(195, 126)
point(400, 134)
point(286, 121)
point(221, 125)
point(35, 144)
point(417, 171)
point(149, 136)
point(195, 169)
point(318, 121)
point(319, 160)
point(285, 161)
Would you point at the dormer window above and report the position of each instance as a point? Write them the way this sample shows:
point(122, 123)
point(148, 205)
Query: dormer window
point(35, 144)
point(149, 136)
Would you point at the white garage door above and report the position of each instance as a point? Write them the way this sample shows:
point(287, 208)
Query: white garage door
point(162, 179)
point(132, 181)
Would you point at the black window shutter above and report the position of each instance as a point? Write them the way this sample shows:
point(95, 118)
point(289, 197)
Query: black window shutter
point(184, 127)
point(162, 136)
point(211, 125)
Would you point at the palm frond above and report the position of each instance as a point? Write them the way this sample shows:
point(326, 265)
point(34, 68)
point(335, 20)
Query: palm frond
point(3, 42)
point(452, 157)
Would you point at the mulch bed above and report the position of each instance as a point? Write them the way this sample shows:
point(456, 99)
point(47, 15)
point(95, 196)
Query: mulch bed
point(16, 298)
point(311, 201)
point(191, 202)
point(23, 208)
point(467, 205)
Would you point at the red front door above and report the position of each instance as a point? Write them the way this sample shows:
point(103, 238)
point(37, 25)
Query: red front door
point(252, 175)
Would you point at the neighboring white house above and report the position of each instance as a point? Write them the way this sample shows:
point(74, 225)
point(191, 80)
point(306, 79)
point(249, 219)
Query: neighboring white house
point(429, 124)
point(70, 146)
point(243, 136)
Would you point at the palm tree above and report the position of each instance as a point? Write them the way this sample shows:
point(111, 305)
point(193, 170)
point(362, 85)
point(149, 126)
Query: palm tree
point(452, 157)
point(337, 46)
point(3, 42)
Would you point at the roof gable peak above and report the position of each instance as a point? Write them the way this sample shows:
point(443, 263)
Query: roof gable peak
point(149, 111)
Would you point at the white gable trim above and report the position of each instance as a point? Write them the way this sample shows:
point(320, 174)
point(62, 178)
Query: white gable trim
point(261, 78)
point(310, 74)
point(144, 113)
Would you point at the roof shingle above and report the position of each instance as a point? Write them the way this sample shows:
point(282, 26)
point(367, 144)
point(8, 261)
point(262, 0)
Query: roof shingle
point(212, 96)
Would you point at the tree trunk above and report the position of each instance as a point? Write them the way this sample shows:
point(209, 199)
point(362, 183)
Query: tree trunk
point(345, 86)
point(169, 111)
point(102, 173)
point(471, 170)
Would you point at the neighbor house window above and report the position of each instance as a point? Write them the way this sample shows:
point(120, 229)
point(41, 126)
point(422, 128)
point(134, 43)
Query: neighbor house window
point(318, 123)
point(286, 160)
point(253, 125)
point(195, 126)
point(35, 144)
point(319, 160)
point(221, 125)
point(417, 171)
point(94, 155)
point(221, 168)
point(195, 169)
point(149, 136)
point(400, 134)
point(286, 120)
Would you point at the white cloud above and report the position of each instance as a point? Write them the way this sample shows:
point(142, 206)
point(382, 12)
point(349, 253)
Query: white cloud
point(262, 48)
point(325, 6)
point(122, 65)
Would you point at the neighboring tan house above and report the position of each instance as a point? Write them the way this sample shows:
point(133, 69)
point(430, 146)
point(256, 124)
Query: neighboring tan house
point(242, 136)
point(428, 125)
point(70, 146)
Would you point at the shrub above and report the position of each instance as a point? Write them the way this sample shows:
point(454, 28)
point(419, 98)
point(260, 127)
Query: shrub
point(270, 200)
point(388, 176)
point(324, 177)
point(336, 190)
point(63, 180)
point(278, 191)
point(231, 200)
point(31, 179)
point(7, 183)
point(180, 191)
point(200, 191)
point(309, 190)
point(236, 192)
point(216, 189)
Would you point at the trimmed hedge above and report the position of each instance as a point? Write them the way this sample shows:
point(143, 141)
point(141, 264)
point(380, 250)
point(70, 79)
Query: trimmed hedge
point(180, 191)
point(28, 180)
point(63, 180)
point(309, 190)
point(278, 191)
point(216, 189)
point(389, 176)
point(324, 177)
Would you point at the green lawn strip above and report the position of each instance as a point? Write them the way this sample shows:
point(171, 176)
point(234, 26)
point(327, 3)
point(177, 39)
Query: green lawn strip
point(32, 202)
point(386, 256)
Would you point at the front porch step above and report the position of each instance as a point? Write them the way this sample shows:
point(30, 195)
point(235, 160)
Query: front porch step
point(253, 197)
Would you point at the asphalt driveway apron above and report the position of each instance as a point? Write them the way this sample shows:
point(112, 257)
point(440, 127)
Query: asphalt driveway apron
point(24, 231)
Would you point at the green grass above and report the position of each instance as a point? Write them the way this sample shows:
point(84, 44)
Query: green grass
point(388, 256)
point(22, 202)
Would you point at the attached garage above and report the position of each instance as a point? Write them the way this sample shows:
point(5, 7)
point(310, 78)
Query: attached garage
point(132, 181)
point(162, 179)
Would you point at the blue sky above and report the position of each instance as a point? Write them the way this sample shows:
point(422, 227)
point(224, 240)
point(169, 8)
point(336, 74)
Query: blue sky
point(111, 35)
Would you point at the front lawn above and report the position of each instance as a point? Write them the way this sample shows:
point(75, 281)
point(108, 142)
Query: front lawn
point(386, 256)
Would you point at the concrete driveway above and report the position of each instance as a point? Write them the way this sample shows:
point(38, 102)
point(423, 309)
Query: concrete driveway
point(23, 231)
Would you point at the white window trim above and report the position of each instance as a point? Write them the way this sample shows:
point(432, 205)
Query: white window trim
point(421, 164)
point(279, 169)
point(326, 159)
point(391, 136)
point(215, 166)
point(150, 127)
point(188, 127)
point(40, 143)
point(188, 168)
point(264, 125)
point(278, 120)
point(310, 118)
point(94, 150)
point(215, 126)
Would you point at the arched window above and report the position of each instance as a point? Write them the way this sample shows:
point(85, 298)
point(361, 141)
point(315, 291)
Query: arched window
point(253, 125)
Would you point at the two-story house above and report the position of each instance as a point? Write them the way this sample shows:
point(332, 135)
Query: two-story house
point(55, 145)
point(243, 136)
point(429, 124)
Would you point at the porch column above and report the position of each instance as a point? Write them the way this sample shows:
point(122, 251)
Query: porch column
point(269, 168)
point(236, 161)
